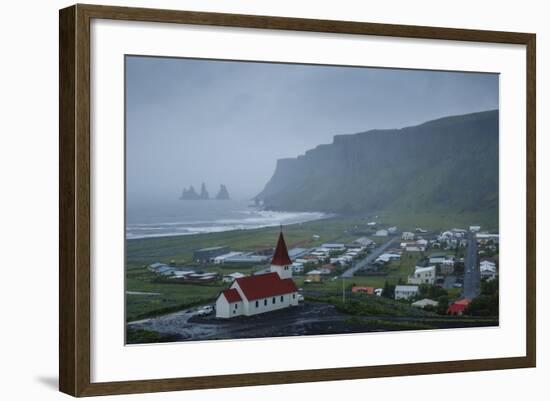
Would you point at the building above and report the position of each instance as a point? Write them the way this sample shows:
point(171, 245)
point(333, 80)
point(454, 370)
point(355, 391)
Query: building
point(487, 269)
point(381, 233)
point(437, 258)
point(363, 290)
point(229, 278)
point(405, 291)
point(447, 266)
point(425, 302)
point(475, 229)
point(363, 241)
point(334, 246)
point(262, 293)
point(297, 268)
point(317, 274)
point(458, 307)
point(296, 253)
point(407, 236)
point(246, 258)
point(222, 258)
point(423, 275)
point(204, 255)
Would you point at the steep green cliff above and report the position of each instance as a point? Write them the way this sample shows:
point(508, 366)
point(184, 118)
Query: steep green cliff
point(444, 165)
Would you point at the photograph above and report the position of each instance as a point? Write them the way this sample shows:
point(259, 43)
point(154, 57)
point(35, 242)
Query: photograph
point(269, 199)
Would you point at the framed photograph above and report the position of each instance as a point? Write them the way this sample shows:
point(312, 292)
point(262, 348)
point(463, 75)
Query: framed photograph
point(249, 200)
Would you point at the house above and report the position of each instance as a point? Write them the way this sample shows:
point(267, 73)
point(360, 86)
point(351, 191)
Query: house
point(475, 229)
point(317, 274)
point(361, 289)
point(422, 242)
point(363, 241)
point(487, 269)
point(205, 254)
point(262, 293)
point(447, 266)
point(423, 275)
point(421, 230)
point(413, 247)
point(392, 230)
point(407, 236)
point(405, 291)
point(458, 307)
point(424, 302)
point(297, 267)
point(381, 233)
point(371, 223)
point(437, 258)
point(229, 278)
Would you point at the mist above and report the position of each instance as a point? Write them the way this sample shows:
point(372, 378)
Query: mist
point(190, 121)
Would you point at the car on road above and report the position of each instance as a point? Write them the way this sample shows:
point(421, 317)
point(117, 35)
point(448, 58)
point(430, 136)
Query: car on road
point(205, 310)
point(300, 298)
point(457, 285)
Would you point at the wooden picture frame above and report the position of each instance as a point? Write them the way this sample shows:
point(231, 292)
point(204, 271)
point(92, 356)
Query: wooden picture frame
point(74, 199)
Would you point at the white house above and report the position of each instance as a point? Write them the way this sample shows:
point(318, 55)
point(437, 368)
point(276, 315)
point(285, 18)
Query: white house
point(363, 241)
point(423, 275)
point(261, 293)
point(413, 247)
point(381, 233)
point(405, 291)
point(392, 230)
point(487, 269)
point(232, 276)
point(424, 302)
point(437, 258)
point(407, 236)
point(475, 229)
point(297, 267)
point(447, 266)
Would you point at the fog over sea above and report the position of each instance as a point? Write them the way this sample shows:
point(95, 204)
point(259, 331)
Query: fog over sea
point(179, 217)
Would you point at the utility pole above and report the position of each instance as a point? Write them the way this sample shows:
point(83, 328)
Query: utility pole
point(343, 290)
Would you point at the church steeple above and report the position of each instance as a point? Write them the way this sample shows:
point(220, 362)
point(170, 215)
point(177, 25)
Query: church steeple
point(281, 262)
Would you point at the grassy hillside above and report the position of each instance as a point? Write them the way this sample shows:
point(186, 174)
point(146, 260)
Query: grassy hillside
point(447, 166)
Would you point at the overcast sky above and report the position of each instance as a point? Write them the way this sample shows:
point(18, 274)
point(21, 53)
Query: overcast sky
point(224, 122)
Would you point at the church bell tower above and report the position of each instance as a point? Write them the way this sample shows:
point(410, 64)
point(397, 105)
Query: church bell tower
point(281, 263)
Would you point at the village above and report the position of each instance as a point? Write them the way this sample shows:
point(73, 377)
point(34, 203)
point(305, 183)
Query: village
point(418, 273)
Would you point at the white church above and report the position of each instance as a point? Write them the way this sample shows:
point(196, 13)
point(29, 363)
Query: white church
point(262, 293)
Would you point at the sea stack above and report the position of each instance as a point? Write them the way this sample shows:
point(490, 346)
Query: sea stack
point(204, 192)
point(189, 194)
point(223, 194)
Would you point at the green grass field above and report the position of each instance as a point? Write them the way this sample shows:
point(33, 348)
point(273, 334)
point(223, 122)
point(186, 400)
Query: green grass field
point(173, 296)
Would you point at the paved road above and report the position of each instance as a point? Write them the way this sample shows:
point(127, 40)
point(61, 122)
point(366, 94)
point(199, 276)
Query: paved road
point(472, 275)
point(368, 259)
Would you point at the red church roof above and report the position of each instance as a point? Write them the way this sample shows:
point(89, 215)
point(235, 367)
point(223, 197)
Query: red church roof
point(232, 295)
point(265, 285)
point(280, 257)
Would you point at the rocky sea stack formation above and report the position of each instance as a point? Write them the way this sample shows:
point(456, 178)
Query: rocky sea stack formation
point(223, 194)
point(191, 194)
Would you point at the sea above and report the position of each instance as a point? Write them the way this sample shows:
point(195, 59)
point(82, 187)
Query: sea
point(179, 217)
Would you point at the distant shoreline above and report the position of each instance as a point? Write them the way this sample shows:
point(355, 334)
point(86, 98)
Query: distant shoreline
point(293, 218)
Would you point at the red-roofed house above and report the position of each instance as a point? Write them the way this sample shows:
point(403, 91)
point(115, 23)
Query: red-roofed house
point(366, 290)
point(458, 307)
point(261, 293)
